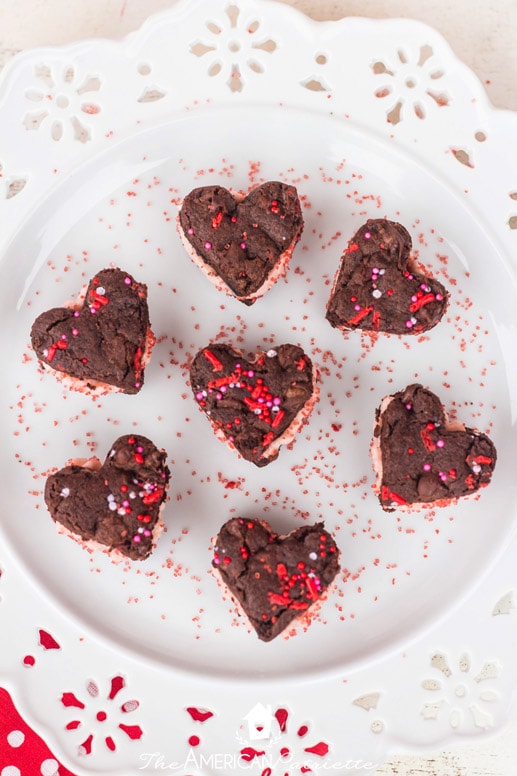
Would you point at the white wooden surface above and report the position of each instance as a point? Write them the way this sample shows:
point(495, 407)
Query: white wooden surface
point(483, 33)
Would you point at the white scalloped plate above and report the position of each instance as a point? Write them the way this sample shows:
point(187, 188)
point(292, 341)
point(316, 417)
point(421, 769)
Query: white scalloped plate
point(104, 169)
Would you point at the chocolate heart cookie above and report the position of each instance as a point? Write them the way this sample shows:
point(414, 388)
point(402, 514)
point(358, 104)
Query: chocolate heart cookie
point(255, 406)
point(102, 343)
point(242, 243)
point(421, 458)
point(114, 506)
point(273, 578)
point(378, 287)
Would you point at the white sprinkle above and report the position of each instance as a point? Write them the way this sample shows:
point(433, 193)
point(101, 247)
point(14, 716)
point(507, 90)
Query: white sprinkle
point(377, 293)
point(476, 468)
point(101, 290)
point(112, 505)
point(65, 492)
point(121, 511)
point(132, 494)
point(313, 556)
point(271, 353)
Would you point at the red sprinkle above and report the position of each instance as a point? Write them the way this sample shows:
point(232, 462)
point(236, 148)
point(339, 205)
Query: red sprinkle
point(425, 299)
point(152, 498)
point(426, 439)
point(483, 459)
point(59, 345)
point(391, 495)
point(268, 438)
point(213, 360)
point(99, 298)
point(277, 419)
point(216, 220)
point(360, 315)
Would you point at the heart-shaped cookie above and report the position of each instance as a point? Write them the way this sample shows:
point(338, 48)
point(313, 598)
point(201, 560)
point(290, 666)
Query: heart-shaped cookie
point(275, 579)
point(114, 506)
point(105, 341)
point(378, 287)
point(242, 243)
point(422, 458)
point(255, 406)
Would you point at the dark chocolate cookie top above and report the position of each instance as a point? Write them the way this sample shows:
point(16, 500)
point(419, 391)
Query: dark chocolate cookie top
point(118, 504)
point(242, 241)
point(105, 339)
point(275, 578)
point(378, 287)
point(423, 459)
point(252, 403)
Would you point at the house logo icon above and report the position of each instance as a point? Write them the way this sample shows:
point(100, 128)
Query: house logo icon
point(259, 720)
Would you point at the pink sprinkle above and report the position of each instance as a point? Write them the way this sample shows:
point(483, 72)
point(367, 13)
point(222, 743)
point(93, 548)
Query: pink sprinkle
point(147, 532)
point(408, 324)
point(139, 449)
point(409, 406)
point(76, 314)
point(137, 385)
point(136, 538)
point(243, 246)
point(251, 373)
point(127, 281)
point(75, 332)
point(277, 401)
point(367, 235)
point(199, 396)
point(190, 231)
point(427, 467)
point(440, 443)
point(208, 245)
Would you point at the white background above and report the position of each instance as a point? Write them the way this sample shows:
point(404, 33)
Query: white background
point(482, 33)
